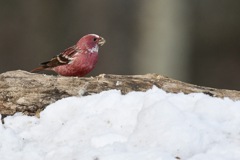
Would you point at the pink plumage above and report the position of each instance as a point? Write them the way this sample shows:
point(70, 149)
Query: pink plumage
point(77, 60)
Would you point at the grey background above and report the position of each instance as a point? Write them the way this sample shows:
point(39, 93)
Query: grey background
point(190, 40)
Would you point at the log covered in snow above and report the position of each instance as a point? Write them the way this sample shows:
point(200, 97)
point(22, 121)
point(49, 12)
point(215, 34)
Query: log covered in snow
point(29, 93)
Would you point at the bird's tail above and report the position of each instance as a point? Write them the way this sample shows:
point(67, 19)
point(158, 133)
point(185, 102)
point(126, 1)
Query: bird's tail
point(38, 69)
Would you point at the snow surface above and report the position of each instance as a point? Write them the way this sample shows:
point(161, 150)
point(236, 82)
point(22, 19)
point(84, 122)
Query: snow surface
point(152, 125)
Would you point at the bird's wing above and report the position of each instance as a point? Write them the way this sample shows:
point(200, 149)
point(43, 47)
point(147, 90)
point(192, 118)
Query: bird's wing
point(63, 58)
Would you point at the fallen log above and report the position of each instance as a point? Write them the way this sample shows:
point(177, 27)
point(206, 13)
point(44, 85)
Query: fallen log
point(29, 93)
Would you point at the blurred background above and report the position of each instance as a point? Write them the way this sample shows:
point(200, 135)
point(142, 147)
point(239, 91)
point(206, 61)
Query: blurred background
point(196, 41)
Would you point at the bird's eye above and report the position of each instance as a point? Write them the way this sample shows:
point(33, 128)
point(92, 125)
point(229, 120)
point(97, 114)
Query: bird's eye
point(94, 39)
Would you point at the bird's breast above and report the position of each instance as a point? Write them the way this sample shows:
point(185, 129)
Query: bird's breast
point(80, 65)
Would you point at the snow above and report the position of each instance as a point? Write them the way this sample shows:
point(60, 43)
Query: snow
point(152, 125)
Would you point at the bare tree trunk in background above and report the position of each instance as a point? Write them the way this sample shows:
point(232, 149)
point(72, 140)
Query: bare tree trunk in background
point(164, 39)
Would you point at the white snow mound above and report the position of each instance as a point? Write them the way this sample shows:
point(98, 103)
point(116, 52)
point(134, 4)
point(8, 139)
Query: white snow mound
point(152, 125)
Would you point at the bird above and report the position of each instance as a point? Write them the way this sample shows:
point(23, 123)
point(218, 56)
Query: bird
point(77, 60)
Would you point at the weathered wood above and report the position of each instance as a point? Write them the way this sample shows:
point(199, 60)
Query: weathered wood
point(21, 91)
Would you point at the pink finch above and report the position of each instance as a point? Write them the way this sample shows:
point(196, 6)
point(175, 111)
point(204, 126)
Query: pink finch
point(77, 60)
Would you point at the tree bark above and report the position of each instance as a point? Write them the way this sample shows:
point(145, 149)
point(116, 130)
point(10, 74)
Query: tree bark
point(29, 93)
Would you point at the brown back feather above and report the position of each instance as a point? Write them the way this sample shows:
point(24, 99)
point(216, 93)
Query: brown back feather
point(61, 59)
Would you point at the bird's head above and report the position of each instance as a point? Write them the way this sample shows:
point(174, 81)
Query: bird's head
point(91, 42)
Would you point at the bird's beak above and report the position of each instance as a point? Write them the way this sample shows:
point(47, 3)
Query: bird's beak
point(101, 41)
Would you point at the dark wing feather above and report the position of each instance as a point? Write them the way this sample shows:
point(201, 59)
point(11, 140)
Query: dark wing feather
point(63, 58)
